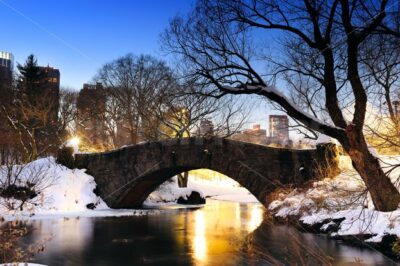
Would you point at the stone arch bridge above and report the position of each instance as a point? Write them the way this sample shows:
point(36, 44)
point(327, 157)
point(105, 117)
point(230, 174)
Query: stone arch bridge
point(125, 177)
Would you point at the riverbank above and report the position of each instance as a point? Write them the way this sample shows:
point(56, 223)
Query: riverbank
point(341, 208)
point(60, 192)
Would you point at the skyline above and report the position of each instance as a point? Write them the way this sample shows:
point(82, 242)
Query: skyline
point(78, 37)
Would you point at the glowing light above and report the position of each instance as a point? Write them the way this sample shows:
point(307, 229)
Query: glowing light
point(199, 240)
point(74, 141)
point(256, 217)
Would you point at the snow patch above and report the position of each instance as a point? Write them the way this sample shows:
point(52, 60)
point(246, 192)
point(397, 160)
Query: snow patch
point(227, 189)
point(66, 194)
point(339, 198)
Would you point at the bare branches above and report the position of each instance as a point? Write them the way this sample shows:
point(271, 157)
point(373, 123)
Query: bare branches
point(323, 43)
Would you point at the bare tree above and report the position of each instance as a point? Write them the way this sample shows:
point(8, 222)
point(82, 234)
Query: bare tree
point(21, 186)
point(179, 112)
point(29, 122)
point(32, 111)
point(381, 60)
point(135, 84)
point(68, 111)
point(323, 42)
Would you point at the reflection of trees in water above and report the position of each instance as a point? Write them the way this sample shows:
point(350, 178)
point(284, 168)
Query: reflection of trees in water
point(282, 245)
point(273, 244)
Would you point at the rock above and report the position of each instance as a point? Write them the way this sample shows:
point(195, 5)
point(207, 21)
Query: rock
point(193, 199)
point(65, 156)
point(91, 206)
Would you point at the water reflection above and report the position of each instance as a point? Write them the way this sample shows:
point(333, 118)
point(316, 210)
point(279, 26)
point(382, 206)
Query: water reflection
point(221, 233)
point(199, 240)
point(65, 234)
point(256, 217)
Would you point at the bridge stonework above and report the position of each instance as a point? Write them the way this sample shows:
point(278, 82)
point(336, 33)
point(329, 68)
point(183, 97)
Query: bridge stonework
point(125, 177)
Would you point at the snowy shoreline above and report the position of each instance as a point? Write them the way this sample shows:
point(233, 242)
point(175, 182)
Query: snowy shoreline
point(67, 193)
point(340, 208)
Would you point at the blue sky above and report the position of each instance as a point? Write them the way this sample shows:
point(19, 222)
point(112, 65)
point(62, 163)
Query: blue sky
point(79, 36)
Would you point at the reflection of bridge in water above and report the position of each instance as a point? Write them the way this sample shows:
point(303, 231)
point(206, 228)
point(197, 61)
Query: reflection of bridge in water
point(125, 177)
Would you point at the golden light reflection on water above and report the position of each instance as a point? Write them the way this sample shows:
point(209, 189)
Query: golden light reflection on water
point(211, 229)
point(256, 217)
point(199, 239)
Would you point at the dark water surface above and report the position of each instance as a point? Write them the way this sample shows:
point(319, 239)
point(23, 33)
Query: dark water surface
point(221, 233)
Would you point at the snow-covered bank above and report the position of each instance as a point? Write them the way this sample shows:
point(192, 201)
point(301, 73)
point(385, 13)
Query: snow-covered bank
point(62, 192)
point(340, 205)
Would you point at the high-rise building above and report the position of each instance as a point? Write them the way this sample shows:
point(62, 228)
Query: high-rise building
point(91, 108)
point(206, 128)
point(50, 91)
point(7, 61)
point(279, 128)
point(6, 72)
point(7, 136)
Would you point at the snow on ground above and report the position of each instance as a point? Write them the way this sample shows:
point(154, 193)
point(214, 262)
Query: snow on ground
point(225, 189)
point(67, 193)
point(63, 193)
point(341, 197)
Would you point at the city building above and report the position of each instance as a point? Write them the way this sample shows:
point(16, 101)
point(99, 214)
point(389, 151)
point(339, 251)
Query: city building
point(206, 128)
point(7, 136)
point(90, 124)
point(50, 91)
point(279, 129)
point(255, 135)
point(6, 73)
point(6, 63)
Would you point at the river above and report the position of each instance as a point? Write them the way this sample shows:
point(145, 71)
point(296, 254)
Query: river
point(220, 233)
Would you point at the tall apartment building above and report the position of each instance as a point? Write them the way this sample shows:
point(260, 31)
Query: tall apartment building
point(7, 136)
point(7, 62)
point(278, 128)
point(6, 73)
point(91, 109)
point(50, 91)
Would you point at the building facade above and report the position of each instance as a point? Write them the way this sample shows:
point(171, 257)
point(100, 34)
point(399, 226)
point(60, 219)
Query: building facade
point(279, 129)
point(6, 76)
point(50, 91)
point(206, 128)
point(255, 135)
point(7, 61)
point(8, 138)
point(91, 110)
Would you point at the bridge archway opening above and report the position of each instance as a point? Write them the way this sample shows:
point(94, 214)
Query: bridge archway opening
point(162, 186)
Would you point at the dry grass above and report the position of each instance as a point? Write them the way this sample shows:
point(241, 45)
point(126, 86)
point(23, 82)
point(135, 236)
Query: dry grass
point(11, 248)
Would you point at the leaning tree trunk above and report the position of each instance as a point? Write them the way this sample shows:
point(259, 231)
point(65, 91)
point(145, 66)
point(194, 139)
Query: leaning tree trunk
point(384, 194)
point(183, 179)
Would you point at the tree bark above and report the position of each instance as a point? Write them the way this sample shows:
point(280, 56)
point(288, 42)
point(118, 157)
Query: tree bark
point(384, 194)
point(183, 179)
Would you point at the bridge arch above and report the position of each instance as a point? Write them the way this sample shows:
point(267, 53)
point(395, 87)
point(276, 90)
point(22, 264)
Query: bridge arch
point(125, 177)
